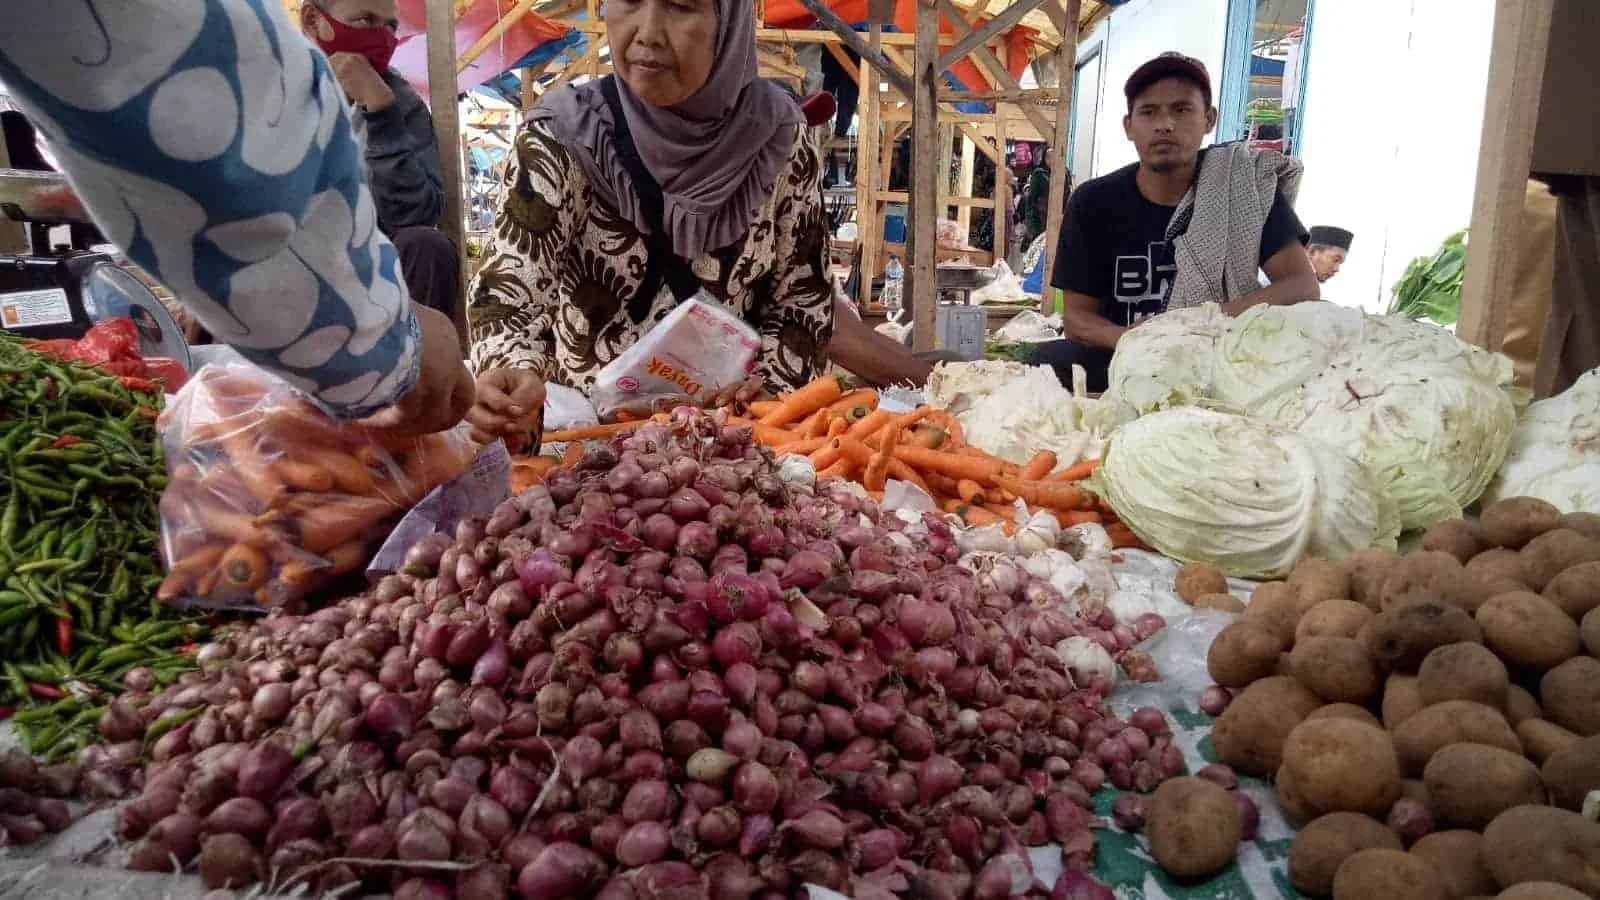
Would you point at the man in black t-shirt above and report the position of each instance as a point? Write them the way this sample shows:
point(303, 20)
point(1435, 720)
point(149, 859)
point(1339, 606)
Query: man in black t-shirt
point(1114, 265)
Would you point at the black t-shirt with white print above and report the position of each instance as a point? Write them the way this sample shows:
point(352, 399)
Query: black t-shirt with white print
point(1113, 246)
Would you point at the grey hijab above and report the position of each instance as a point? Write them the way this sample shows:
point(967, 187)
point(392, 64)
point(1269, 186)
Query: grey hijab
point(716, 155)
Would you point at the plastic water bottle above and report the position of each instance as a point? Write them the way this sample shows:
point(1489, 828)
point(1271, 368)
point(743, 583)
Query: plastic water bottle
point(893, 283)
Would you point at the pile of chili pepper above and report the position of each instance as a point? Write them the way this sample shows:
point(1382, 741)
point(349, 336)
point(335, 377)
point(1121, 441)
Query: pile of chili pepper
point(79, 532)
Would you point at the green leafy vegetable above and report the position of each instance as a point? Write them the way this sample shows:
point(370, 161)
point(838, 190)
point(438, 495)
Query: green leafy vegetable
point(1431, 286)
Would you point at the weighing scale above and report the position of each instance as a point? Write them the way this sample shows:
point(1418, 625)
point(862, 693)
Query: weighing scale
point(61, 291)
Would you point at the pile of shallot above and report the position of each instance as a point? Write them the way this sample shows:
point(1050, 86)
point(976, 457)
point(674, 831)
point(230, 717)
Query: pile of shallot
point(33, 798)
point(664, 674)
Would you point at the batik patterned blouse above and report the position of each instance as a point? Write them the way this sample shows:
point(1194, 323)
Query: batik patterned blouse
point(552, 294)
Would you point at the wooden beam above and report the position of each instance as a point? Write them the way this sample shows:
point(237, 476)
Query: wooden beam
point(1002, 192)
point(979, 37)
point(579, 66)
point(904, 197)
point(1066, 70)
point(963, 190)
point(493, 34)
point(1016, 96)
point(829, 19)
point(869, 225)
point(982, 142)
point(996, 70)
point(1510, 121)
point(441, 38)
point(928, 161)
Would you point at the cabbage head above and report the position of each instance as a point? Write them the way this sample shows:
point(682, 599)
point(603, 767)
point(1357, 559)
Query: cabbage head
point(1165, 362)
point(1555, 451)
point(1240, 493)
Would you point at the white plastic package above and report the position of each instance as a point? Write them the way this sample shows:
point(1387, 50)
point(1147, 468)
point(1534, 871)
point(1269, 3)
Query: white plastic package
point(697, 350)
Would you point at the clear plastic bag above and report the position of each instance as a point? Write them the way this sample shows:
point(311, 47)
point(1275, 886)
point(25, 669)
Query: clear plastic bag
point(697, 350)
point(270, 498)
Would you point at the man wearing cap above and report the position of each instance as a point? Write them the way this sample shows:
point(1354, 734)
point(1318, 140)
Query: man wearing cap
point(1328, 248)
point(1182, 226)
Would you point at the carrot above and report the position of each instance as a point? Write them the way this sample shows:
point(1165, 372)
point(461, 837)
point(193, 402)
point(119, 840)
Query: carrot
point(202, 558)
point(1042, 464)
point(870, 425)
point(300, 574)
point(825, 457)
point(837, 426)
point(853, 450)
point(1071, 517)
point(624, 417)
point(573, 456)
point(1076, 472)
point(206, 584)
point(877, 496)
point(1052, 494)
point(434, 462)
point(347, 557)
point(978, 516)
point(969, 491)
point(328, 525)
point(228, 524)
point(943, 485)
point(949, 425)
point(877, 471)
point(173, 586)
point(304, 476)
point(350, 475)
point(803, 448)
point(855, 402)
point(929, 437)
point(805, 401)
point(953, 464)
point(766, 435)
point(816, 425)
point(590, 432)
point(244, 567)
point(1122, 537)
point(902, 472)
point(841, 468)
point(759, 408)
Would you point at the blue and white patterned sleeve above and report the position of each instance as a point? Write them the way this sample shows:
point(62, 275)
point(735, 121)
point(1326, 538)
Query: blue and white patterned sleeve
point(212, 145)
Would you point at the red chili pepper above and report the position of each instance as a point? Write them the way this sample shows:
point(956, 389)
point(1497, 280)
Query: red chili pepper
point(45, 691)
point(64, 635)
point(135, 383)
point(50, 389)
point(66, 440)
point(187, 649)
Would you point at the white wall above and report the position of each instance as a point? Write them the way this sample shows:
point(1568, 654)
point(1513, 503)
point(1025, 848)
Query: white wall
point(1394, 110)
point(1135, 33)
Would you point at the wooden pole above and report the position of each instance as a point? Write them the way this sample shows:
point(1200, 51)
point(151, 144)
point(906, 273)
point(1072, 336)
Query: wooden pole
point(1510, 122)
point(869, 227)
point(928, 161)
point(441, 37)
point(969, 160)
point(1066, 71)
point(1002, 194)
point(981, 35)
point(831, 21)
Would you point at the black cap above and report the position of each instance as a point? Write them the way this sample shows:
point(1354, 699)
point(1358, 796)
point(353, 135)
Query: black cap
point(1329, 236)
point(1169, 65)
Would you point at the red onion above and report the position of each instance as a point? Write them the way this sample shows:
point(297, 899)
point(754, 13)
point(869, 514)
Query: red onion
point(924, 622)
point(1219, 774)
point(755, 788)
point(647, 801)
point(512, 789)
point(818, 829)
point(718, 828)
point(262, 770)
point(642, 844)
point(240, 815)
point(1072, 885)
point(561, 870)
point(666, 700)
point(936, 777)
point(805, 570)
point(737, 642)
point(1215, 699)
point(1129, 811)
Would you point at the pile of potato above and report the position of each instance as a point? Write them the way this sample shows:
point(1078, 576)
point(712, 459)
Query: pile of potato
point(1432, 721)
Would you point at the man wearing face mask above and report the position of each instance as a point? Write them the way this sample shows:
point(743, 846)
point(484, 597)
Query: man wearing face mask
point(397, 130)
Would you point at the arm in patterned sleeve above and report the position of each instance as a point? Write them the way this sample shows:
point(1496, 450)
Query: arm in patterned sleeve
point(515, 294)
point(212, 144)
point(798, 324)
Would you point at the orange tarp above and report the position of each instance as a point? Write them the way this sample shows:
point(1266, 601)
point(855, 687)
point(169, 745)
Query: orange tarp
point(793, 14)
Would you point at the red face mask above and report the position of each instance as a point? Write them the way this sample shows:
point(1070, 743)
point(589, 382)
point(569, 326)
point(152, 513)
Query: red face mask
point(376, 44)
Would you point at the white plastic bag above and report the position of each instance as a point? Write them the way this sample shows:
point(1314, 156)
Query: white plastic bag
point(566, 408)
point(697, 350)
point(1030, 327)
point(1005, 288)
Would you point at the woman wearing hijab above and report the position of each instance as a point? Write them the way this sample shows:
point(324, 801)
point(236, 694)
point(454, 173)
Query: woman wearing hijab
point(625, 195)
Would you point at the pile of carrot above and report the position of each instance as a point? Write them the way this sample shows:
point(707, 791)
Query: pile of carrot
point(846, 434)
point(270, 498)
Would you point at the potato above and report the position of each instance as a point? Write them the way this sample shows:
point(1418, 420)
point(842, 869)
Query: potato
point(1328, 841)
point(1316, 580)
point(1590, 631)
point(1540, 890)
point(1464, 671)
point(1368, 569)
point(1195, 580)
point(1554, 552)
point(1401, 637)
point(1458, 855)
point(1223, 602)
point(1461, 538)
point(1193, 827)
point(1340, 765)
point(1242, 653)
point(1521, 705)
point(1542, 843)
point(1414, 789)
point(1584, 523)
point(1249, 734)
point(1401, 700)
point(1572, 771)
point(1540, 739)
point(1382, 874)
point(1527, 630)
point(1570, 695)
point(1337, 669)
point(1296, 811)
point(1499, 570)
point(1515, 521)
point(1431, 576)
point(1333, 618)
point(1576, 590)
point(1472, 783)
point(1432, 729)
point(1275, 605)
point(1346, 711)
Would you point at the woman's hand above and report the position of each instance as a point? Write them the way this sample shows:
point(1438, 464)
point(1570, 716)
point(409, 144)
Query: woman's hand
point(510, 407)
point(443, 391)
point(737, 396)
